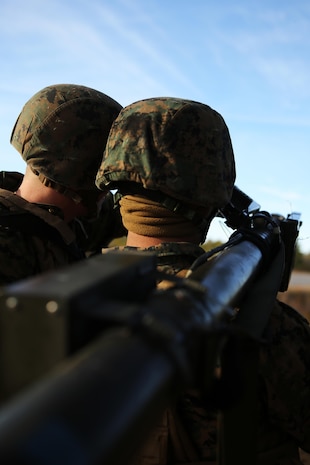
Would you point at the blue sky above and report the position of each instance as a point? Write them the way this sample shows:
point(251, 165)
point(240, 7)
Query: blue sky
point(249, 60)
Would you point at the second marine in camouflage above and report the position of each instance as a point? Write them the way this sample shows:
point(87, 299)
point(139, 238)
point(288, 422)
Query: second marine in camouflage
point(60, 133)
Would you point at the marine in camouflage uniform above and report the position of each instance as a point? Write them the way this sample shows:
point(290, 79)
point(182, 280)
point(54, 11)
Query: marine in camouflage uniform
point(60, 133)
point(172, 161)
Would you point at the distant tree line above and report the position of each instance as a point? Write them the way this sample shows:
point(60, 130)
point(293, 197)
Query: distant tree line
point(302, 261)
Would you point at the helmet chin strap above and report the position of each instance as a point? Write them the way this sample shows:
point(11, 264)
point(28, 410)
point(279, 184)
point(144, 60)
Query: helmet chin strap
point(77, 199)
point(190, 214)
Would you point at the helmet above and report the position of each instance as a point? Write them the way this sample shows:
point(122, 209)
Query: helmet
point(181, 148)
point(61, 134)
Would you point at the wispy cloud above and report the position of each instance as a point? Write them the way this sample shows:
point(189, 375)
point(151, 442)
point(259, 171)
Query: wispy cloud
point(272, 42)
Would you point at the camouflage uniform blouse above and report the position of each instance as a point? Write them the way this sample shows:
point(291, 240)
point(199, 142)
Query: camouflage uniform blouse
point(188, 434)
point(33, 238)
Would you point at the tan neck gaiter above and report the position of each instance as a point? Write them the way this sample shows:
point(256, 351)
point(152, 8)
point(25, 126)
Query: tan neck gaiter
point(149, 218)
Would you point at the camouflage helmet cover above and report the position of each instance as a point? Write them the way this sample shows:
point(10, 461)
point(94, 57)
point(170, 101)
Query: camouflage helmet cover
point(61, 133)
point(179, 147)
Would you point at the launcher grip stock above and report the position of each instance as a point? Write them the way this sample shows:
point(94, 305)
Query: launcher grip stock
point(98, 403)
